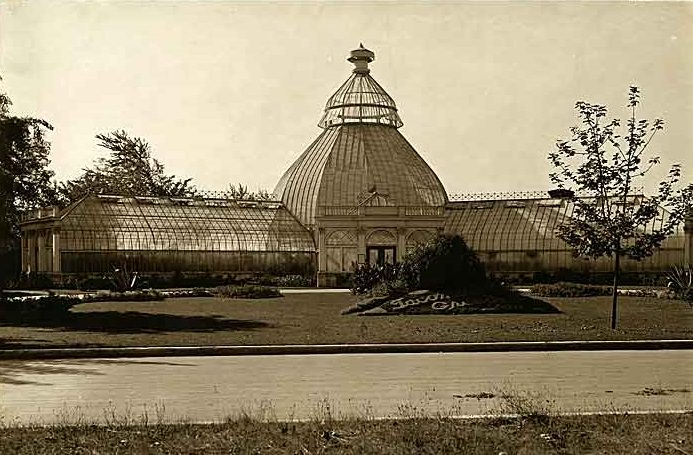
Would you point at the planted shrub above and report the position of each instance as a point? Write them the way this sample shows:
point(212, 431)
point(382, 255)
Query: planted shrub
point(122, 278)
point(393, 287)
point(248, 291)
point(23, 308)
point(377, 278)
point(31, 281)
point(294, 281)
point(194, 292)
point(445, 264)
point(140, 295)
point(680, 282)
point(266, 280)
point(569, 290)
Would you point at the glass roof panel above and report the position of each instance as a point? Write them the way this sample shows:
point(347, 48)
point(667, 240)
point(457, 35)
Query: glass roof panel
point(192, 224)
point(504, 225)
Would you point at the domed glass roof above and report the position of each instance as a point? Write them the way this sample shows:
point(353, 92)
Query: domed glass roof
point(359, 156)
point(360, 99)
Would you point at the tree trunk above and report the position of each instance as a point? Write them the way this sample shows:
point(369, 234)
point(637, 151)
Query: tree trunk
point(614, 298)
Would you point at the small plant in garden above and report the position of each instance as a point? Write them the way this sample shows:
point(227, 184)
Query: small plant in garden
point(122, 279)
point(247, 291)
point(137, 295)
point(569, 290)
point(31, 281)
point(680, 282)
point(385, 279)
point(294, 281)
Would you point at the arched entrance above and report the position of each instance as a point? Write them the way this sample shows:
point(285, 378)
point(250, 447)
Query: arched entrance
point(381, 248)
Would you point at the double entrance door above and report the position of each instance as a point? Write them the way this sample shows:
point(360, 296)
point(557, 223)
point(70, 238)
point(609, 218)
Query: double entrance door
point(381, 255)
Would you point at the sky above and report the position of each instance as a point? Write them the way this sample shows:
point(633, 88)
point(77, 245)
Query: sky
point(231, 92)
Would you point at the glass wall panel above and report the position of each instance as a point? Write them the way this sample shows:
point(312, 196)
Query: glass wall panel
point(521, 235)
point(180, 234)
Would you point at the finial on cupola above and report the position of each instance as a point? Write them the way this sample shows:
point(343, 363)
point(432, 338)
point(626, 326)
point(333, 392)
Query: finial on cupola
point(361, 57)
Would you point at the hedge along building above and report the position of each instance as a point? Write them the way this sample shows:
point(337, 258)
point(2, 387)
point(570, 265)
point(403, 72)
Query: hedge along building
point(359, 193)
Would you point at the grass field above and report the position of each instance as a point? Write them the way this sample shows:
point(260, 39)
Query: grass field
point(315, 319)
point(537, 435)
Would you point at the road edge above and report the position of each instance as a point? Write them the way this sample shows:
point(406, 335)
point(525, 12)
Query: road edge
point(294, 349)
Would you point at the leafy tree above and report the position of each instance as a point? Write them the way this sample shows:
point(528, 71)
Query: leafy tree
point(130, 170)
point(25, 180)
point(240, 192)
point(604, 161)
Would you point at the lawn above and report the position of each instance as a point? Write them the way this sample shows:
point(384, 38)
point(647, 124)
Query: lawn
point(315, 319)
point(608, 434)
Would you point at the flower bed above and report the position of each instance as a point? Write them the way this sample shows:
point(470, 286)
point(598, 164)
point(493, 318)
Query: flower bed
point(434, 302)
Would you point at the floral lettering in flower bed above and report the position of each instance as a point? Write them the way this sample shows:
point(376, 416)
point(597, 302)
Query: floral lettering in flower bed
point(443, 303)
point(420, 302)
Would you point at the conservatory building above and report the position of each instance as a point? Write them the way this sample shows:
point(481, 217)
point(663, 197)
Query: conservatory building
point(358, 194)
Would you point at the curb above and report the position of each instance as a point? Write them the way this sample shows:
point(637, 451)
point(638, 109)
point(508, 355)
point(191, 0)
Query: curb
point(302, 349)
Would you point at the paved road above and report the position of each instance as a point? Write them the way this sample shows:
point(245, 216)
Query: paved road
point(309, 386)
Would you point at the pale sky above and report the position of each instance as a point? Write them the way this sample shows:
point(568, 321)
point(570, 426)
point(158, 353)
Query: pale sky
point(228, 92)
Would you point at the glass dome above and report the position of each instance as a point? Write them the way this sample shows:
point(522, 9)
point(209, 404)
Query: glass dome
point(360, 99)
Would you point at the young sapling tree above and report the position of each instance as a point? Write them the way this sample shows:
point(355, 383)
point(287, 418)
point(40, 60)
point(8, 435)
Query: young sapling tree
point(602, 165)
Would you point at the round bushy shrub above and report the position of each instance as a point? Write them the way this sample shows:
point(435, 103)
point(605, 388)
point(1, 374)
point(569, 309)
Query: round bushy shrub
point(444, 264)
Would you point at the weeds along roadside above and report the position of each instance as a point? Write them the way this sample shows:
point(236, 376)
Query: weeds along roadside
point(536, 427)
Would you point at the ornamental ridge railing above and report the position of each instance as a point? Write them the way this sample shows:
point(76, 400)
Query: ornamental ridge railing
point(516, 195)
point(497, 196)
point(212, 194)
point(347, 210)
point(452, 197)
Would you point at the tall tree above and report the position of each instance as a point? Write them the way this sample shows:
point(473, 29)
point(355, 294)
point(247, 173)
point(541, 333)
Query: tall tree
point(604, 162)
point(130, 170)
point(25, 179)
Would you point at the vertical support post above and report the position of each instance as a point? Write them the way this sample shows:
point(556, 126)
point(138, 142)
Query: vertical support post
point(56, 251)
point(25, 250)
point(31, 247)
point(688, 239)
point(322, 259)
point(322, 251)
point(361, 242)
point(41, 251)
point(401, 243)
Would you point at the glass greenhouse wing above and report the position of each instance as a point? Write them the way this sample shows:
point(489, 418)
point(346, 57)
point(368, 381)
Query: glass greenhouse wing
point(521, 234)
point(164, 235)
point(116, 223)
